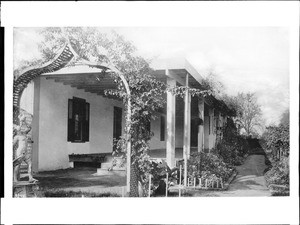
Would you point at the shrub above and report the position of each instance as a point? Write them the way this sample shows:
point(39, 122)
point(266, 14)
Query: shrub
point(276, 138)
point(279, 173)
point(208, 166)
point(77, 194)
point(276, 143)
point(233, 147)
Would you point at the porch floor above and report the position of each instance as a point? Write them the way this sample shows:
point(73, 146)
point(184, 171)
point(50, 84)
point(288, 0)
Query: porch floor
point(86, 179)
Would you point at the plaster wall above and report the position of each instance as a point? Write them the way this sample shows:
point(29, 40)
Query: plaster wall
point(53, 148)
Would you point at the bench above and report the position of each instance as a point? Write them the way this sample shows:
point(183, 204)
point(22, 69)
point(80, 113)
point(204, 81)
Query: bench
point(88, 160)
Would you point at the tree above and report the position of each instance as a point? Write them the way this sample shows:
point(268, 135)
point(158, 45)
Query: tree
point(248, 113)
point(285, 117)
point(212, 82)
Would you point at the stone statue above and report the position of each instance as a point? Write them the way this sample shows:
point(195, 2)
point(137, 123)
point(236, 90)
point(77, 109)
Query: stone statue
point(20, 143)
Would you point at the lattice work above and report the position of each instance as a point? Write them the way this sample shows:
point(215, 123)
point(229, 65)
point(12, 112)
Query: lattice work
point(28, 75)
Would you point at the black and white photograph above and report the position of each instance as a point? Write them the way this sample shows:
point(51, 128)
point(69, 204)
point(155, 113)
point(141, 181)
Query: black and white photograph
point(151, 113)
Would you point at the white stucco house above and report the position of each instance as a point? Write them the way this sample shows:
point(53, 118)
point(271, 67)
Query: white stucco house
point(73, 118)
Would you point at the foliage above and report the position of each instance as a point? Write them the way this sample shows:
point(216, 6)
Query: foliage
point(208, 166)
point(159, 173)
point(233, 147)
point(248, 113)
point(279, 173)
point(212, 82)
point(275, 138)
point(77, 194)
point(285, 117)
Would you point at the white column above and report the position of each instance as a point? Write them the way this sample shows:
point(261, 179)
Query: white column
point(171, 110)
point(201, 127)
point(187, 129)
point(211, 127)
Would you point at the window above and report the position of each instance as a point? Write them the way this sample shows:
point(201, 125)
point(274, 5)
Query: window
point(78, 120)
point(117, 124)
point(162, 128)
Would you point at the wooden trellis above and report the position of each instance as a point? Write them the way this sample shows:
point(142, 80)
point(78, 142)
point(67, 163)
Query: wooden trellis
point(62, 58)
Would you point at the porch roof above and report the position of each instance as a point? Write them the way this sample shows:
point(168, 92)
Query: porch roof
point(90, 79)
point(177, 68)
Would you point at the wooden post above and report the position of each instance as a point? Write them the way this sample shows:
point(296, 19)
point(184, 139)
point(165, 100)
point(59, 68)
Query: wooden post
point(128, 126)
point(171, 118)
point(187, 128)
point(167, 181)
point(201, 127)
point(194, 182)
point(205, 183)
point(180, 175)
point(149, 191)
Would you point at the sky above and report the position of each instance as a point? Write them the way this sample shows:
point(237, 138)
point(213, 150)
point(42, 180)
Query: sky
point(245, 59)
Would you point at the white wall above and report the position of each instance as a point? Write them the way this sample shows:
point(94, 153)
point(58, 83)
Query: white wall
point(53, 110)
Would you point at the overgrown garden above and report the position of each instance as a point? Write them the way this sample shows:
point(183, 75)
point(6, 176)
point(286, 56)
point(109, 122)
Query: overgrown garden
point(276, 143)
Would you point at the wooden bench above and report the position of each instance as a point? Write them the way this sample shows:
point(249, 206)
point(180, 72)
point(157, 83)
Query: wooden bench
point(91, 160)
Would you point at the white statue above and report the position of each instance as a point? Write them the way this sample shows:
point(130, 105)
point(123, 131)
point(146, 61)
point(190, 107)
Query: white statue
point(21, 153)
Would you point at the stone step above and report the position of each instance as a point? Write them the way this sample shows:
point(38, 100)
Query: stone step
point(119, 165)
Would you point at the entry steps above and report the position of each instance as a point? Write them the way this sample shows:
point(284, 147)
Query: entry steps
point(113, 163)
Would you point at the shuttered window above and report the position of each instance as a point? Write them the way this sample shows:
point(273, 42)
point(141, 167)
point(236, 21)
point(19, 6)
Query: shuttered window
point(162, 128)
point(78, 120)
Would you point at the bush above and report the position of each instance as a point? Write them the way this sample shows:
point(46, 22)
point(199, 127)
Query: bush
point(279, 173)
point(208, 166)
point(276, 143)
point(233, 147)
point(276, 138)
point(77, 194)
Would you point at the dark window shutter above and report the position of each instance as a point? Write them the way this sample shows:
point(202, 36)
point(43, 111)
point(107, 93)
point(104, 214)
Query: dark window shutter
point(86, 122)
point(70, 120)
point(162, 128)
